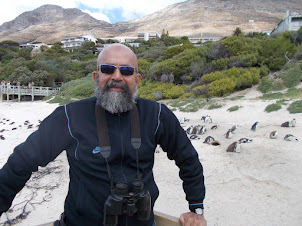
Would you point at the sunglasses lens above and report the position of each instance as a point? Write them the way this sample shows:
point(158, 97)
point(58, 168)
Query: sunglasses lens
point(107, 69)
point(126, 70)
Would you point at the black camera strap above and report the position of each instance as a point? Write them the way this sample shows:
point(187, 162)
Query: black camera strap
point(103, 134)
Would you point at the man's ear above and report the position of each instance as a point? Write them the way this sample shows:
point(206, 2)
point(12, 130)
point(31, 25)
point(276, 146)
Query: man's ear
point(95, 76)
point(138, 78)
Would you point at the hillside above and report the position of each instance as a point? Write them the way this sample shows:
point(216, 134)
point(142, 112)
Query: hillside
point(50, 23)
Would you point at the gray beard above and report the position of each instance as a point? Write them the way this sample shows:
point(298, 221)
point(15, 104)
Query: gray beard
point(113, 101)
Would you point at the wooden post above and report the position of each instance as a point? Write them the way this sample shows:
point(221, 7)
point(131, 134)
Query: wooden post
point(7, 93)
point(19, 93)
point(32, 94)
point(1, 98)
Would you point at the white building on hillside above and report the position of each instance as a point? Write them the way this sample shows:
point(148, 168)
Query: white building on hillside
point(145, 36)
point(70, 43)
point(34, 45)
point(291, 22)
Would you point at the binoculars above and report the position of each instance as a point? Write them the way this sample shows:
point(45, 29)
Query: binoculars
point(124, 201)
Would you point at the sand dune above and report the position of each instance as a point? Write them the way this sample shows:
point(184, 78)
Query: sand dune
point(261, 185)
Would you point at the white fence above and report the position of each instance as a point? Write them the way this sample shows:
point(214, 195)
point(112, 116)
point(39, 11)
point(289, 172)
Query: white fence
point(25, 91)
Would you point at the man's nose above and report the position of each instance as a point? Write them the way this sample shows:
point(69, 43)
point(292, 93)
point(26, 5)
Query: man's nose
point(117, 75)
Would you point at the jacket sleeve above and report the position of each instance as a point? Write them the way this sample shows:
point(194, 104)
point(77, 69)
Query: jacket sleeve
point(174, 140)
point(41, 147)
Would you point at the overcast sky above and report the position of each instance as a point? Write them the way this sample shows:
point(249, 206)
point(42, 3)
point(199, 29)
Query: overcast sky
point(109, 10)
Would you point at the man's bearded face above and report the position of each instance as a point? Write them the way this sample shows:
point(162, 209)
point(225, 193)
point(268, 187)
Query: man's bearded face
point(115, 101)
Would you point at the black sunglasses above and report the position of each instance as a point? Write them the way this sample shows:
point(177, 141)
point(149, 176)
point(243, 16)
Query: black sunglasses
point(109, 69)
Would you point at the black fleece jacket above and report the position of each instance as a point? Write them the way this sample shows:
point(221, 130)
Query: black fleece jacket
point(73, 128)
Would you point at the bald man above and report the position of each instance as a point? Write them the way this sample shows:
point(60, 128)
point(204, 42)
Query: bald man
point(110, 141)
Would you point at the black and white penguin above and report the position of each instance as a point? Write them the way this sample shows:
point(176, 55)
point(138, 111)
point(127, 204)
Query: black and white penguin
point(202, 130)
point(245, 140)
point(228, 134)
point(293, 123)
point(189, 130)
point(233, 129)
point(182, 120)
point(273, 135)
point(206, 118)
point(254, 126)
point(194, 137)
point(290, 137)
point(215, 126)
point(234, 147)
point(208, 139)
point(2, 137)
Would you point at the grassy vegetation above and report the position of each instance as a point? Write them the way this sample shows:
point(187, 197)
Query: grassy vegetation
point(215, 106)
point(292, 93)
point(236, 98)
point(295, 107)
point(187, 104)
point(234, 108)
point(273, 107)
point(75, 90)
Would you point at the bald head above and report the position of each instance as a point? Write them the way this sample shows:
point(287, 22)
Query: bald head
point(117, 51)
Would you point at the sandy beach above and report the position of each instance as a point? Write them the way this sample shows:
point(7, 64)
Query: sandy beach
point(261, 185)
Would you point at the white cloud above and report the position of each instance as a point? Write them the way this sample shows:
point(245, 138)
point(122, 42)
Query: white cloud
point(130, 8)
point(98, 15)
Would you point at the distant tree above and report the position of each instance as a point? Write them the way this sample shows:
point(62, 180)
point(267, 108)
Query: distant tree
point(237, 32)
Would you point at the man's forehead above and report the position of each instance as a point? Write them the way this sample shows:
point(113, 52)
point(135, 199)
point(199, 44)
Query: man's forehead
point(120, 54)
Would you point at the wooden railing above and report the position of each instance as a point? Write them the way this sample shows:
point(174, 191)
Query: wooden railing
point(25, 91)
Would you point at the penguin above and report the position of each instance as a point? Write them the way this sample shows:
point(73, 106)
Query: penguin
point(189, 130)
point(215, 126)
point(234, 128)
point(2, 137)
point(290, 137)
point(206, 118)
point(209, 139)
point(273, 135)
point(202, 130)
point(286, 124)
point(245, 140)
point(228, 135)
point(215, 143)
point(195, 129)
point(182, 120)
point(234, 147)
point(12, 123)
point(194, 137)
point(293, 123)
point(14, 128)
point(254, 126)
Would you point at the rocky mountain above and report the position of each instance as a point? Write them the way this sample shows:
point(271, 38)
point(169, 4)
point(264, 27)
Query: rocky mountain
point(50, 23)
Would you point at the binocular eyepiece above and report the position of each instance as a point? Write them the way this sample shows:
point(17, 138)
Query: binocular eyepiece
point(125, 201)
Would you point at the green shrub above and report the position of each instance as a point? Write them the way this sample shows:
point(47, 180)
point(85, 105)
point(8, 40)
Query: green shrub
point(266, 84)
point(215, 106)
point(294, 93)
point(200, 91)
point(147, 89)
point(221, 87)
point(273, 107)
point(234, 108)
point(292, 77)
point(295, 107)
point(272, 96)
point(264, 71)
point(277, 86)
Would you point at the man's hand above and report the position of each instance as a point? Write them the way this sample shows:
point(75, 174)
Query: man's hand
point(192, 219)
